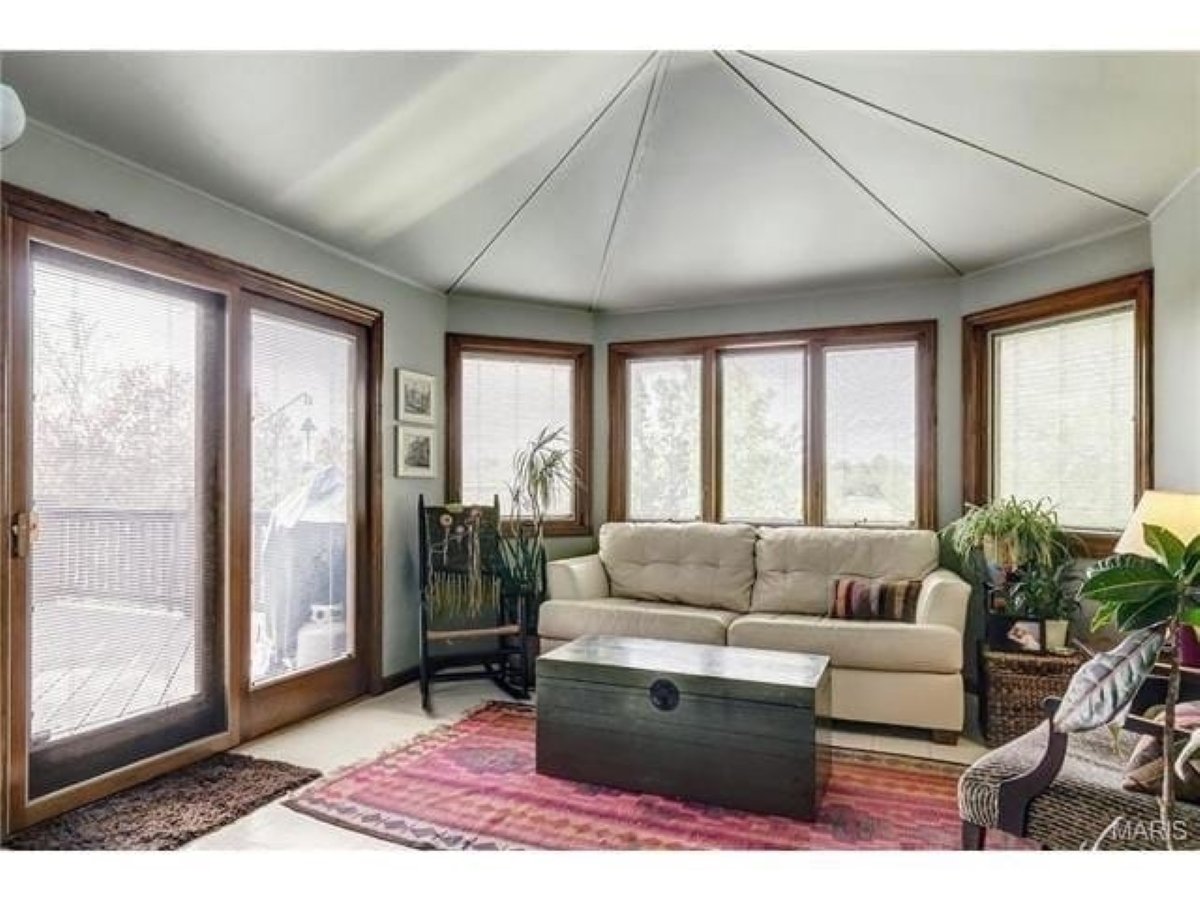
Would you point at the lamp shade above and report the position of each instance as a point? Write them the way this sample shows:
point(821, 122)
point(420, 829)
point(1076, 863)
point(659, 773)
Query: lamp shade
point(12, 117)
point(1178, 513)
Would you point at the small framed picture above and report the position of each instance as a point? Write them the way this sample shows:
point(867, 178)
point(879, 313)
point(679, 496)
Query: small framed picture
point(416, 397)
point(1026, 636)
point(416, 452)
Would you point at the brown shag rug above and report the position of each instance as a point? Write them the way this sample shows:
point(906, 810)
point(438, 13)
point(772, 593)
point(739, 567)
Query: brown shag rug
point(170, 810)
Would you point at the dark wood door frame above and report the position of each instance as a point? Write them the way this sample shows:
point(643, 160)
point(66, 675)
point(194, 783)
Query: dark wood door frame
point(23, 212)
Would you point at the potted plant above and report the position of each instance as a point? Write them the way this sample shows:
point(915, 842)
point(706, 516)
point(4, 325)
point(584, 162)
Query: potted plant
point(1049, 593)
point(1152, 599)
point(544, 468)
point(1013, 536)
point(1011, 533)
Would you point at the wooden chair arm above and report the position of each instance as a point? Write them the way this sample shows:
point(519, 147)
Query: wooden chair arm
point(1017, 793)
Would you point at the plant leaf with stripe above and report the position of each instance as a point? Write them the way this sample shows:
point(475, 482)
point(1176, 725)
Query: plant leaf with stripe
point(1125, 578)
point(1106, 683)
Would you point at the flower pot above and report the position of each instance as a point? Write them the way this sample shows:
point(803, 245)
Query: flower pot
point(1189, 647)
point(1056, 634)
point(1000, 553)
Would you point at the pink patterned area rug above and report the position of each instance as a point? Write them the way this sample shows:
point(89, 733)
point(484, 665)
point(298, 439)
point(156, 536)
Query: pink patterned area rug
point(472, 786)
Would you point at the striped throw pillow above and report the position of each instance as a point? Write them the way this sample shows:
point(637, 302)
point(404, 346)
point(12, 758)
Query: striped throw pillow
point(866, 598)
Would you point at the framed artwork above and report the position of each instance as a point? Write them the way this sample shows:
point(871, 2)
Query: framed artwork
point(416, 452)
point(416, 397)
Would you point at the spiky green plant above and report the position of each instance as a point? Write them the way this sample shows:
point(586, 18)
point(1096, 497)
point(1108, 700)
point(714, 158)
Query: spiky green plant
point(1012, 533)
point(543, 469)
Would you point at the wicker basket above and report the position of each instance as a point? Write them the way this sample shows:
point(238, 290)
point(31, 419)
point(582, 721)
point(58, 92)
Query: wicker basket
point(1016, 685)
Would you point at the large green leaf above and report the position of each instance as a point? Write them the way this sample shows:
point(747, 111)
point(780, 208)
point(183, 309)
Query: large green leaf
point(1157, 608)
point(1105, 614)
point(1169, 548)
point(1106, 683)
point(1190, 615)
point(1126, 578)
point(1189, 569)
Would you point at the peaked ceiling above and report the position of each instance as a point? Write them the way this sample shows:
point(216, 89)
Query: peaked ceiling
point(637, 180)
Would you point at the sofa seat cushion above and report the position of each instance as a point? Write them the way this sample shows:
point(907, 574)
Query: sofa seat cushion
point(797, 566)
point(568, 619)
point(849, 644)
point(698, 563)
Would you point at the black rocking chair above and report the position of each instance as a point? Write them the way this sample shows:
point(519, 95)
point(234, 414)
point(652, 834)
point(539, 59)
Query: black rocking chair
point(463, 601)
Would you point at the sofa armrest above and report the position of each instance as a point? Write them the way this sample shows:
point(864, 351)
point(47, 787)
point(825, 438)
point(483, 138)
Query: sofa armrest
point(578, 578)
point(943, 600)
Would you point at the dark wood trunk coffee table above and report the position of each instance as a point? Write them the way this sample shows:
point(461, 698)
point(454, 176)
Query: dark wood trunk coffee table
point(731, 726)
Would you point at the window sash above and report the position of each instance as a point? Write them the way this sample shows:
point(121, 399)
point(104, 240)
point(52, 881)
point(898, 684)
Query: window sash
point(894, 410)
point(978, 431)
point(1070, 515)
point(462, 348)
point(785, 413)
point(472, 487)
point(686, 514)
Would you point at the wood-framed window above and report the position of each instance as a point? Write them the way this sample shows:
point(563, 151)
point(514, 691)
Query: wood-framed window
point(500, 392)
point(1057, 404)
point(822, 427)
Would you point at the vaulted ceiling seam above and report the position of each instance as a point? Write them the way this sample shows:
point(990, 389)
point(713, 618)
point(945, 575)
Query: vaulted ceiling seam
point(845, 170)
point(942, 133)
point(653, 97)
point(612, 102)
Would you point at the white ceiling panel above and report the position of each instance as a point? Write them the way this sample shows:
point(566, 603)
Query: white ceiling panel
point(976, 209)
point(731, 202)
point(1124, 124)
point(554, 250)
point(416, 161)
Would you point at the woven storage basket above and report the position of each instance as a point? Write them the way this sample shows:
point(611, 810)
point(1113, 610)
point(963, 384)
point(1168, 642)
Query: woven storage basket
point(1017, 684)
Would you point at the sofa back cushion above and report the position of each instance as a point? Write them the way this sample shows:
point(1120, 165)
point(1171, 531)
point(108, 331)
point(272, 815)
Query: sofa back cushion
point(696, 563)
point(797, 566)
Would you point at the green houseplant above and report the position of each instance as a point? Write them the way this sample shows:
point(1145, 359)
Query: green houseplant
point(1016, 550)
point(1050, 593)
point(1151, 599)
point(542, 470)
point(1011, 534)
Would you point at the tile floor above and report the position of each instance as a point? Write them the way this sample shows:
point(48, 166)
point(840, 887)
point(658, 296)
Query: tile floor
point(363, 729)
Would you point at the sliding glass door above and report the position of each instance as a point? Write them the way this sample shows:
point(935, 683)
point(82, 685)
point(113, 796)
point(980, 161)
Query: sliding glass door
point(118, 537)
point(192, 500)
point(308, 381)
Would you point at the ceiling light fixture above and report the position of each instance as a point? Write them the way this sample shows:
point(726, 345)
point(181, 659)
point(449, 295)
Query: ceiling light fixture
point(12, 117)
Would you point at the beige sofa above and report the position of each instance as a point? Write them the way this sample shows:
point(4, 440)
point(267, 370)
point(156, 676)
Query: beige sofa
point(771, 588)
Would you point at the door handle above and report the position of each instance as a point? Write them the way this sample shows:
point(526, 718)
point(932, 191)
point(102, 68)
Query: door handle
point(25, 531)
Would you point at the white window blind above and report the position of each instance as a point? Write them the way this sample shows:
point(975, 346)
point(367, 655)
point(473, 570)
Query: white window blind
point(762, 427)
point(506, 402)
point(304, 496)
point(871, 435)
point(118, 587)
point(664, 439)
point(1063, 399)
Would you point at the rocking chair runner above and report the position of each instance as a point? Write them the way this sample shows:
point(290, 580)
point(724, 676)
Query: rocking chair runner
point(461, 582)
